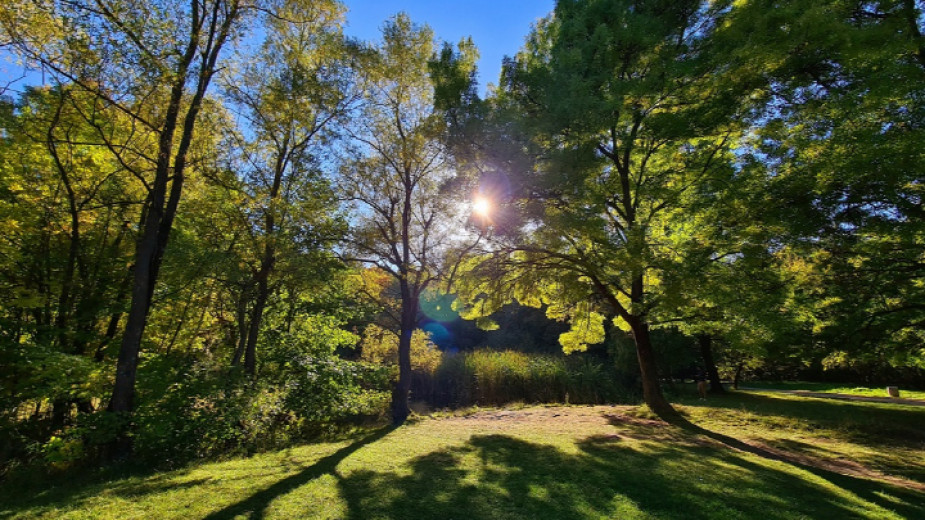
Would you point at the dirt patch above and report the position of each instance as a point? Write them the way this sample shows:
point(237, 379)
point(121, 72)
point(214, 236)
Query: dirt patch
point(564, 414)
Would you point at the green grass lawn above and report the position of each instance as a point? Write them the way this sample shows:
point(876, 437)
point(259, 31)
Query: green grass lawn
point(755, 455)
point(837, 388)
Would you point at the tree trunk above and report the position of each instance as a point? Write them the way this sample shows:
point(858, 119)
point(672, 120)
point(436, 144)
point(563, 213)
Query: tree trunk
point(241, 339)
point(706, 351)
point(250, 352)
point(67, 282)
point(60, 414)
point(401, 392)
point(738, 375)
point(648, 368)
point(651, 389)
point(266, 264)
point(113, 327)
point(123, 393)
point(161, 210)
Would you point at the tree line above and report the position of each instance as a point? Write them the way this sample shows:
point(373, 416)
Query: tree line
point(217, 197)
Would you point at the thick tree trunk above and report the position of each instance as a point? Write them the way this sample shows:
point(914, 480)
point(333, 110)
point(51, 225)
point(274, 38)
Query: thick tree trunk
point(401, 392)
point(161, 210)
point(648, 368)
point(706, 352)
point(651, 389)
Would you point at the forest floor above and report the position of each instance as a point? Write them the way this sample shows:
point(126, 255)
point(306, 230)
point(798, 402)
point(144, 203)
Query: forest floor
point(746, 455)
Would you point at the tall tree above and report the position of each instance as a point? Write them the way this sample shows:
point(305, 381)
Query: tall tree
point(396, 179)
point(154, 62)
point(618, 122)
point(290, 98)
point(838, 138)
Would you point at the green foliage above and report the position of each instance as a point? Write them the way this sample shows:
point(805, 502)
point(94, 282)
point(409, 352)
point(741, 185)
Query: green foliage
point(835, 152)
point(328, 390)
point(489, 377)
point(213, 412)
point(61, 453)
point(747, 170)
point(380, 347)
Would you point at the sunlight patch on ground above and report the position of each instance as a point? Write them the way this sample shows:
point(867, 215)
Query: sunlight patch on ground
point(535, 463)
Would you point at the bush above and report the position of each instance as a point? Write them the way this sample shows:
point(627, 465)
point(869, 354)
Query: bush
point(218, 412)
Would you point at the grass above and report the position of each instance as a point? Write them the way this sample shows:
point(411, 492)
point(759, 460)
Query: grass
point(837, 388)
point(751, 455)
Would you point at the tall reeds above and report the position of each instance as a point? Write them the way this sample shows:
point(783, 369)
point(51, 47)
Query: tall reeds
point(489, 377)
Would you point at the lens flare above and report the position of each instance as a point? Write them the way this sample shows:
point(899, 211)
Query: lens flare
point(481, 206)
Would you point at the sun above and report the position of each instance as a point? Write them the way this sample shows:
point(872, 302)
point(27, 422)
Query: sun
point(481, 206)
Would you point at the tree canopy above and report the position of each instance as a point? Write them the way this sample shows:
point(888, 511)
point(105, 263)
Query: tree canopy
point(225, 224)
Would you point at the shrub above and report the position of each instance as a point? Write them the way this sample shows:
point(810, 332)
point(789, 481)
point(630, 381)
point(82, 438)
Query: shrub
point(215, 412)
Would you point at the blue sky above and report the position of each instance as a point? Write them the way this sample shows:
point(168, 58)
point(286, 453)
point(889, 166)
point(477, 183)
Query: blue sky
point(498, 27)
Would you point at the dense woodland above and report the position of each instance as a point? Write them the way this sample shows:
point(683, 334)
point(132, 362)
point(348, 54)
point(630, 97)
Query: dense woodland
point(225, 226)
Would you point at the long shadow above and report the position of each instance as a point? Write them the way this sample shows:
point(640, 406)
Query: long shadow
point(498, 476)
point(255, 506)
point(910, 502)
point(851, 420)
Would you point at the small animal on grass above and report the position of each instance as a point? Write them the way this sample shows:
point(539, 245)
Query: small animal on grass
point(702, 388)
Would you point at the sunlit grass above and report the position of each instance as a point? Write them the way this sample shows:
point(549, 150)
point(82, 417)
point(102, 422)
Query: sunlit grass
point(544, 463)
point(838, 388)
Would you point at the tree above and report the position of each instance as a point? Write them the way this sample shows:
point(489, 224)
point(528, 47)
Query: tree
point(396, 179)
point(290, 99)
point(619, 120)
point(67, 213)
point(154, 63)
point(836, 143)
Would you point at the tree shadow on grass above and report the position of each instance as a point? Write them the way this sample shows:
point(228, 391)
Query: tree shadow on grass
point(886, 425)
point(255, 506)
point(643, 468)
point(497, 476)
point(908, 502)
point(39, 489)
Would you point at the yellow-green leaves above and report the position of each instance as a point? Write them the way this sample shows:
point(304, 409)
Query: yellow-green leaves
point(587, 329)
